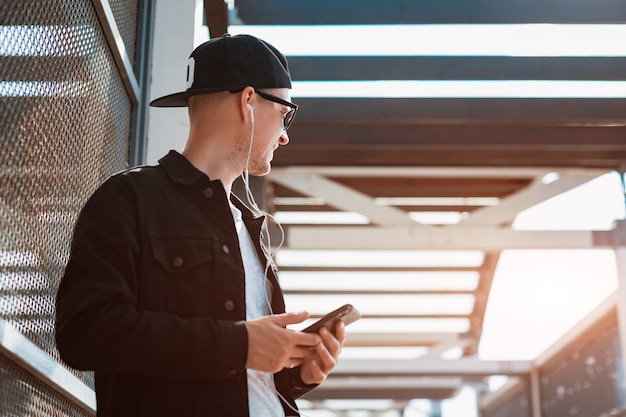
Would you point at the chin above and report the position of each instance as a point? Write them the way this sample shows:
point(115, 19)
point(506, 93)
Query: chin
point(259, 171)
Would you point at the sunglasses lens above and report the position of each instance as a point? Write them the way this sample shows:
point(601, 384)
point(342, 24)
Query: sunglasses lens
point(289, 118)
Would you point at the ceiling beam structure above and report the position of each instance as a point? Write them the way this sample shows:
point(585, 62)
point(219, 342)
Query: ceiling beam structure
point(345, 198)
point(538, 191)
point(370, 140)
point(287, 12)
point(216, 17)
point(464, 111)
point(487, 68)
point(485, 158)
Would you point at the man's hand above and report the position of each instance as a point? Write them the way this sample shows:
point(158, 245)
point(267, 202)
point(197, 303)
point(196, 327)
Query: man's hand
point(316, 367)
point(272, 347)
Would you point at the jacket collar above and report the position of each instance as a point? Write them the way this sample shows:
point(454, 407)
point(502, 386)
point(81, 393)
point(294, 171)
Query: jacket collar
point(180, 169)
point(248, 215)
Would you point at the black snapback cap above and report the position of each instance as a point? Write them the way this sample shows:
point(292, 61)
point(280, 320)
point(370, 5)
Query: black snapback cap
point(230, 63)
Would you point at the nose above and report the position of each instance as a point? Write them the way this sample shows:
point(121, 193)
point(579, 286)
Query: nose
point(284, 138)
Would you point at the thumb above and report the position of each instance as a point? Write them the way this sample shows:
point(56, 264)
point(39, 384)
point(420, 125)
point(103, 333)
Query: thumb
point(286, 319)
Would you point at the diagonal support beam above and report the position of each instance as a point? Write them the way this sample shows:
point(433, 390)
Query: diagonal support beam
point(345, 198)
point(505, 212)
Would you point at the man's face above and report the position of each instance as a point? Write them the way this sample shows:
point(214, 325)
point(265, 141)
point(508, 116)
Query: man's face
point(269, 131)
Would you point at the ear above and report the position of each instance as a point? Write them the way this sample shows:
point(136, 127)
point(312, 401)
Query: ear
point(245, 102)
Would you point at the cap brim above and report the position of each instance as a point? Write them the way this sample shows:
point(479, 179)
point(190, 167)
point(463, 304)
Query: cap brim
point(171, 100)
point(180, 99)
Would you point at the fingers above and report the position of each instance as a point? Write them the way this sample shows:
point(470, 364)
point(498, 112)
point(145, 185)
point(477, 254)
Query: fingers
point(340, 332)
point(298, 355)
point(286, 319)
point(328, 351)
point(272, 347)
point(324, 348)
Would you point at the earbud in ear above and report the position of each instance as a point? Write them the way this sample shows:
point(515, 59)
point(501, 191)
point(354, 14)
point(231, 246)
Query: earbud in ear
point(251, 110)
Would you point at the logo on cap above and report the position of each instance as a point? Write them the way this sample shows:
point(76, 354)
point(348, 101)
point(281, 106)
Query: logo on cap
point(191, 70)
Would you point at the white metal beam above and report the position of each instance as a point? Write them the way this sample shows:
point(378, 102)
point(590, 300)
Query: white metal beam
point(440, 238)
point(395, 388)
point(354, 339)
point(435, 352)
point(464, 367)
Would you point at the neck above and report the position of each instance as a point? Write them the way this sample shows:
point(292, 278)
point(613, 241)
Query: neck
point(209, 154)
point(214, 169)
point(214, 144)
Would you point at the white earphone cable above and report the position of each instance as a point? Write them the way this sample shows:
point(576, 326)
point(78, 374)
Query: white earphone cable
point(266, 247)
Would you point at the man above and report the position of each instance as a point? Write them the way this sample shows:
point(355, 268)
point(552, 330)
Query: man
point(169, 295)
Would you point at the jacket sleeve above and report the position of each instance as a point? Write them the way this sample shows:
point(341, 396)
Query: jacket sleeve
point(99, 326)
point(298, 387)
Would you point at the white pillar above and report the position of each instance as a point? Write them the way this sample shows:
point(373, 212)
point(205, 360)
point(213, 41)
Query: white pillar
point(535, 393)
point(620, 254)
point(175, 25)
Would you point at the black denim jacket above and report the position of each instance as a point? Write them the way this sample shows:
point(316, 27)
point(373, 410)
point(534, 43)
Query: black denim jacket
point(153, 296)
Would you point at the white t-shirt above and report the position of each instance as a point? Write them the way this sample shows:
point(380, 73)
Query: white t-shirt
point(262, 397)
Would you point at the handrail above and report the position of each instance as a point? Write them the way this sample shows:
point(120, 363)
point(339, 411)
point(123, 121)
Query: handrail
point(24, 353)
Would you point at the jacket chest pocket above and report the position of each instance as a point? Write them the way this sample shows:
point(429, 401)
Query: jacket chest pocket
point(182, 271)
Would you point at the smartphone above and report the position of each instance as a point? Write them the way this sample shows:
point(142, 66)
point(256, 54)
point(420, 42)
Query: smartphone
point(346, 313)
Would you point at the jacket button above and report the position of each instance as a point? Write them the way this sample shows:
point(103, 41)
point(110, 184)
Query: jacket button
point(226, 249)
point(208, 192)
point(229, 305)
point(178, 261)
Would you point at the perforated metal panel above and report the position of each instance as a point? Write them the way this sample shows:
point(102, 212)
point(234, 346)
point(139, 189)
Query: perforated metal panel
point(125, 12)
point(22, 395)
point(518, 406)
point(588, 381)
point(65, 126)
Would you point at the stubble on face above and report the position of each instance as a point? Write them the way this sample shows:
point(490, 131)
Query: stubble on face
point(255, 160)
point(258, 164)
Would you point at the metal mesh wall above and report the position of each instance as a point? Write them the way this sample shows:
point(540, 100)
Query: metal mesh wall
point(23, 395)
point(125, 12)
point(588, 380)
point(518, 406)
point(64, 127)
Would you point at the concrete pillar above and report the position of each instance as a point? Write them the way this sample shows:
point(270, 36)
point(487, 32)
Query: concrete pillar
point(174, 36)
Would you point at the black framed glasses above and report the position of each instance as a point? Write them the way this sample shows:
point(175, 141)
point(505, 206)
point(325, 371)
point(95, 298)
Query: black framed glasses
point(290, 115)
